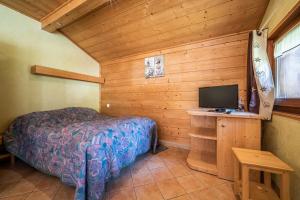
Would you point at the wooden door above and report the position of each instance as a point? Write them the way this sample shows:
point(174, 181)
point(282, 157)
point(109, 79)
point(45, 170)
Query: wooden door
point(235, 132)
point(226, 140)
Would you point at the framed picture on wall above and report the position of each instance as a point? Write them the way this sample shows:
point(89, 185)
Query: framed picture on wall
point(154, 66)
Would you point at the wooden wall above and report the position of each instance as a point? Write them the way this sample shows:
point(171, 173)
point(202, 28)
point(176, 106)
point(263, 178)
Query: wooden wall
point(207, 63)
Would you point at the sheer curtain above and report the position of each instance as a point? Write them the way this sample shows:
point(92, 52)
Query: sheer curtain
point(288, 41)
point(287, 54)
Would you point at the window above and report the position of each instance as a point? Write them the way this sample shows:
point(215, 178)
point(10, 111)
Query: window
point(287, 69)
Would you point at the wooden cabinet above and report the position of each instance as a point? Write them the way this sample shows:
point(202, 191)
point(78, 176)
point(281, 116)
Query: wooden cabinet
point(235, 132)
point(214, 136)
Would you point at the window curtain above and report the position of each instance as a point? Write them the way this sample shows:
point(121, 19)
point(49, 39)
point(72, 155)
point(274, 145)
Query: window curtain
point(287, 42)
point(287, 54)
point(252, 93)
point(289, 71)
point(259, 68)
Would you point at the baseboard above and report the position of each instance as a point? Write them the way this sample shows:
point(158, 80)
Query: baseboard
point(174, 144)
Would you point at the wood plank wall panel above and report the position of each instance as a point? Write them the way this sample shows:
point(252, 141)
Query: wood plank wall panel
point(214, 62)
point(135, 26)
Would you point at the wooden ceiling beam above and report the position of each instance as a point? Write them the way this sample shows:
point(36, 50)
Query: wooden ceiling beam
point(68, 12)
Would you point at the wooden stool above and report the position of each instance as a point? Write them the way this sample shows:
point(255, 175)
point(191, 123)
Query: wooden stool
point(261, 161)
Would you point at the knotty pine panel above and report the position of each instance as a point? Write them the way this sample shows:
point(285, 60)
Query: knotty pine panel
point(220, 61)
point(129, 27)
point(126, 27)
point(34, 9)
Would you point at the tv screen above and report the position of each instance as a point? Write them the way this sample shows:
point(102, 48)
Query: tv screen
point(219, 97)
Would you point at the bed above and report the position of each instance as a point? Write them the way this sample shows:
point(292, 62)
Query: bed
point(80, 146)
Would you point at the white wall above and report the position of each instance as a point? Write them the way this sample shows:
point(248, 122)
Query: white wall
point(23, 44)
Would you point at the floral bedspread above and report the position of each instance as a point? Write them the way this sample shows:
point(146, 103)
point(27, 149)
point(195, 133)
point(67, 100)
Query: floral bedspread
point(80, 146)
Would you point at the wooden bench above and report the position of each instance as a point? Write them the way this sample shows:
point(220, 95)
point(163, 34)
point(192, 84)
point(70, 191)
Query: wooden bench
point(246, 160)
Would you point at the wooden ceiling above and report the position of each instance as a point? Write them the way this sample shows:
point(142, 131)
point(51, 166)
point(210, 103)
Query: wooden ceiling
point(36, 9)
point(126, 27)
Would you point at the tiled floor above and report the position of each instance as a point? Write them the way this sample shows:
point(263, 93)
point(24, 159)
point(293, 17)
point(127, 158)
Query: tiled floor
point(151, 177)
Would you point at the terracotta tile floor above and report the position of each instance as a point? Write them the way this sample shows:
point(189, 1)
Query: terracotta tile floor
point(151, 177)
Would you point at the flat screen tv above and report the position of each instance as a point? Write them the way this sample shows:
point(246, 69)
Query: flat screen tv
point(224, 97)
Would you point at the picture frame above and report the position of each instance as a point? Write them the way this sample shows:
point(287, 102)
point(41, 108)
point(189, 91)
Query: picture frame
point(154, 66)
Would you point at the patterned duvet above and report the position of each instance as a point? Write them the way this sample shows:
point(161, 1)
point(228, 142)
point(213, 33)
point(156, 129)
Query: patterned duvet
point(80, 146)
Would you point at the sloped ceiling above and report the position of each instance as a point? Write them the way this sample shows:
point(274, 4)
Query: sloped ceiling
point(35, 9)
point(128, 27)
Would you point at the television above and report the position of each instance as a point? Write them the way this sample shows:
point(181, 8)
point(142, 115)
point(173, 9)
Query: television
point(219, 97)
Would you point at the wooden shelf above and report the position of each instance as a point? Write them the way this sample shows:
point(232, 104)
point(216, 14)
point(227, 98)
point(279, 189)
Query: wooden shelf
point(202, 156)
point(47, 71)
point(203, 161)
point(212, 136)
point(206, 113)
point(205, 133)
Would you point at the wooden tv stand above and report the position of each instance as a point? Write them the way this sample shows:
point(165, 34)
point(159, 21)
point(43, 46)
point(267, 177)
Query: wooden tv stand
point(214, 134)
